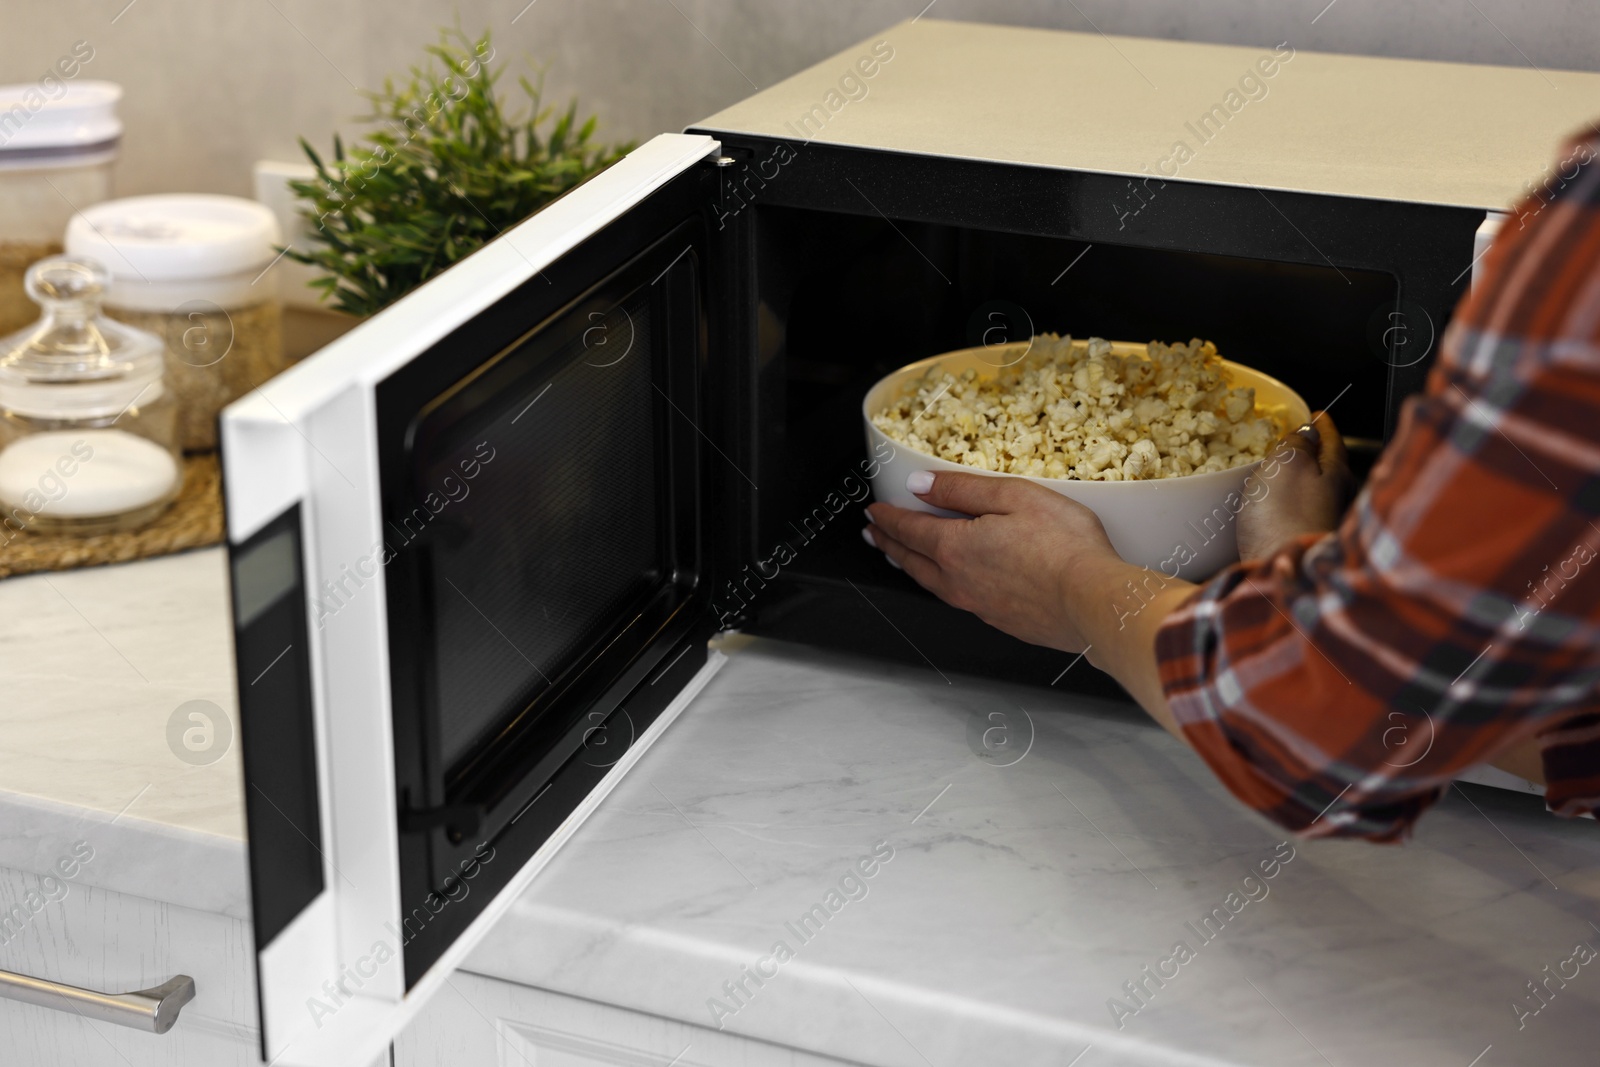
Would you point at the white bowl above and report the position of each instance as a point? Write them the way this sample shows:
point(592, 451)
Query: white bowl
point(1182, 527)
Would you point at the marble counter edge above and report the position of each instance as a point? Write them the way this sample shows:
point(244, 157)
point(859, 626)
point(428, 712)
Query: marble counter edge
point(858, 1003)
point(188, 868)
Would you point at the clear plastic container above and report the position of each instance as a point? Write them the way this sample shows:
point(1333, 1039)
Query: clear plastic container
point(57, 146)
point(194, 269)
point(87, 431)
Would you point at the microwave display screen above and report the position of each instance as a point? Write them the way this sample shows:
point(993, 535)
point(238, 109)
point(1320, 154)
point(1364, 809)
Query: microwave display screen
point(547, 522)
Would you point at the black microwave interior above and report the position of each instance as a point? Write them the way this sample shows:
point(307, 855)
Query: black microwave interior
point(845, 299)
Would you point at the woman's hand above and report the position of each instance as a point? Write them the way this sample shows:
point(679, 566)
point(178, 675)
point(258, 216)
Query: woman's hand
point(1039, 567)
point(1015, 565)
point(1305, 492)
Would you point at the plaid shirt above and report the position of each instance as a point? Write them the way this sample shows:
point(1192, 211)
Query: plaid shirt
point(1338, 686)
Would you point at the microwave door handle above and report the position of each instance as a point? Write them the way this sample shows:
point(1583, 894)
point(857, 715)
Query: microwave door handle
point(152, 1010)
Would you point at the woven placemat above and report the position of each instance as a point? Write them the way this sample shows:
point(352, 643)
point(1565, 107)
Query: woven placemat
point(193, 521)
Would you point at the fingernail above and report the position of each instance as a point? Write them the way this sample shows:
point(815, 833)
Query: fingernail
point(1310, 433)
point(866, 535)
point(893, 564)
point(919, 482)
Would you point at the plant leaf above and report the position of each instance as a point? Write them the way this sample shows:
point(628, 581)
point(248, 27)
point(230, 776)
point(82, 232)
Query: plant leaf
point(446, 167)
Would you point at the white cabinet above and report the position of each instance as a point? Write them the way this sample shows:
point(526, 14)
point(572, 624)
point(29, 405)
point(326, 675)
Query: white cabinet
point(115, 943)
point(483, 1022)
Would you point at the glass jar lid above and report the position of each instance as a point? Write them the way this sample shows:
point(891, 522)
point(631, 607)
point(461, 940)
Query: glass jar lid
point(74, 363)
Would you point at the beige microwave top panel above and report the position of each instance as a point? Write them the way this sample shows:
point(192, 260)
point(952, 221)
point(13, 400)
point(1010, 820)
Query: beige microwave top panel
point(1270, 116)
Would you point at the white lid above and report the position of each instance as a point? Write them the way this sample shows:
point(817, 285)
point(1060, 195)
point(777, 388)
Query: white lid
point(82, 115)
point(175, 235)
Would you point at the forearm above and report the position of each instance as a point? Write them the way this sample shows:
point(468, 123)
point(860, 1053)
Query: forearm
point(1119, 608)
point(1121, 628)
point(1523, 760)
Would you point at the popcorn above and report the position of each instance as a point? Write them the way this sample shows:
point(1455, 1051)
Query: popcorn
point(1073, 409)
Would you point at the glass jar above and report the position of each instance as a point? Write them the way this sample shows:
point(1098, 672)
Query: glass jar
point(57, 144)
point(87, 431)
point(195, 270)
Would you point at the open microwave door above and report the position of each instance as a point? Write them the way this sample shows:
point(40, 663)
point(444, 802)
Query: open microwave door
point(471, 584)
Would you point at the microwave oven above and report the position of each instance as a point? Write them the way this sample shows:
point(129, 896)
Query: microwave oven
point(479, 543)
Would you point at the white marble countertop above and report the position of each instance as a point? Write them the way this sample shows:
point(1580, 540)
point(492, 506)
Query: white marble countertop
point(1019, 899)
point(94, 663)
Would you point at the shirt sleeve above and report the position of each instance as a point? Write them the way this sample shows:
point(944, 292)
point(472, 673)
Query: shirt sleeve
point(1339, 686)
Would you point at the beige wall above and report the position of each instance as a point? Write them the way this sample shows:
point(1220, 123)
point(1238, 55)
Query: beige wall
point(213, 85)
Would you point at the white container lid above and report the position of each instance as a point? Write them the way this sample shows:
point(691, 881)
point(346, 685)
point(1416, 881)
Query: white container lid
point(81, 120)
point(176, 236)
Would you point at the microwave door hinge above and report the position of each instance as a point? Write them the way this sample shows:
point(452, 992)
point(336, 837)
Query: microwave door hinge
point(723, 162)
point(459, 819)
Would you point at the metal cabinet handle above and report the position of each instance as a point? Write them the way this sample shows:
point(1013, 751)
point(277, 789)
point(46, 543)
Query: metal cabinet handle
point(152, 1010)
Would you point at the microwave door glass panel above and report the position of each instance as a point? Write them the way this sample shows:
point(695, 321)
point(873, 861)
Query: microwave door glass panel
point(544, 523)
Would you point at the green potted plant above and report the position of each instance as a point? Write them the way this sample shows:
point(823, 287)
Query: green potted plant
point(450, 168)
